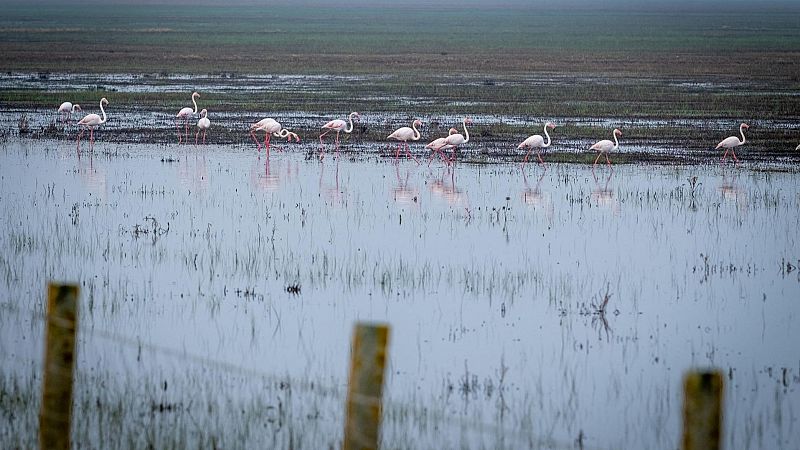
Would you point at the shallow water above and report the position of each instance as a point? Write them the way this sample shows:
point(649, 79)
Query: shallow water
point(489, 276)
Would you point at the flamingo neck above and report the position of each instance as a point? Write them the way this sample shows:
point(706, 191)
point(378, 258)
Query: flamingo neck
point(416, 132)
point(548, 137)
point(466, 132)
point(350, 130)
point(741, 130)
point(281, 134)
point(73, 109)
point(616, 142)
point(104, 113)
point(195, 105)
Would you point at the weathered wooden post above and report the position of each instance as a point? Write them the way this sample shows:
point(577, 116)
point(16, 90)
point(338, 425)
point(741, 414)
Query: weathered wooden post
point(365, 386)
point(59, 359)
point(702, 410)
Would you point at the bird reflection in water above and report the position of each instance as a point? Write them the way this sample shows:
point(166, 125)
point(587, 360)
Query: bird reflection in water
point(534, 197)
point(265, 179)
point(732, 193)
point(445, 188)
point(94, 177)
point(603, 195)
point(332, 192)
point(192, 172)
point(402, 192)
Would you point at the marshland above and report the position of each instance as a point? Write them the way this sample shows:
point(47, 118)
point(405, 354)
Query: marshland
point(553, 305)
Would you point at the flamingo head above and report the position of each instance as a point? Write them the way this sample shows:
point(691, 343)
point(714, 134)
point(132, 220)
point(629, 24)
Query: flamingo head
point(203, 112)
point(744, 125)
point(195, 94)
point(103, 101)
point(550, 125)
point(452, 131)
point(468, 120)
point(417, 122)
point(76, 108)
point(617, 132)
point(355, 116)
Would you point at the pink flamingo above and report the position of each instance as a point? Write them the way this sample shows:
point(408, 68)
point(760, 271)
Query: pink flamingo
point(536, 142)
point(436, 147)
point(202, 125)
point(730, 143)
point(272, 128)
point(403, 134)
point(606, 146)
point(66, 110)
point(90, 122)
point(185, 114)
point(456, 139)
point(338, 126)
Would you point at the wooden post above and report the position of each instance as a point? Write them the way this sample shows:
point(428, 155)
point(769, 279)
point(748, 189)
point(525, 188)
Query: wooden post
point(365, 387)
point(702, 410)
point(59, 358)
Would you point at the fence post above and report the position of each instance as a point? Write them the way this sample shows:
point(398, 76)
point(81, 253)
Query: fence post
point(702, 410)
point(365, 386)
point(59, 358)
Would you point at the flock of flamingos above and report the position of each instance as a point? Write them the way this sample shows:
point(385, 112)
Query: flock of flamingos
point(452, 141)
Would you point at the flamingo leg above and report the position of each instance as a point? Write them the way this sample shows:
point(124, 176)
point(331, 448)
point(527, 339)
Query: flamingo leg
point(608, 161)
point(733, 152)
point(196, 136)
point(540, 156)
point(266, 142)
point(725, 155)
point(253, 135)
point(91, 139)
point(204, 137)
point(397, 152)
point(598, 158)
point(186, 132)
point(525, 160)
point(79, 140)
point(408, 153)
point(337, 142)
point(178, 127)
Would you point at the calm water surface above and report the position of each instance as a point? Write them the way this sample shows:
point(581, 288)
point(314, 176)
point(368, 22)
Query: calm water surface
point(490, 277)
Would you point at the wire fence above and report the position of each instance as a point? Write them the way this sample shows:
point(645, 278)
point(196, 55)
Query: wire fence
point(390, 407)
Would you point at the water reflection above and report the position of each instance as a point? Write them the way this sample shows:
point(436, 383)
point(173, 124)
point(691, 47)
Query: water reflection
point(603, 194)
point(534, 197)
point(445, 188)
point(402, 191)
point(192, 172)
point(265, 179)
point(93, 176)
point(731, 192)
point(331, 191)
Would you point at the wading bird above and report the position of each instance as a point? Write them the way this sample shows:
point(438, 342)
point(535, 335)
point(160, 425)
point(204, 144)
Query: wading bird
point(729, 143)
point(436, 147)
point(90, 122)
point(798, 147)
point(606, 146)
point(184, 114)
point(402, 135)
point(272, 128)
point(536, 142)
point(338, 126)
point(202, 125)
point(456, 139)
point(66, 110)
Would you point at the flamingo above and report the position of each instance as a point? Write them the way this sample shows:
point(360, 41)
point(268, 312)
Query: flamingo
point(338, 125)
point(402, 135)
point(90, 122)
point(606, 146)
point(536, 141)
point(184, 114)
point(437, 144)
point(66, 110)
point(456, 139)
point(798, 147)
point(730, 142)
point(272, 128)
point(203, 125)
